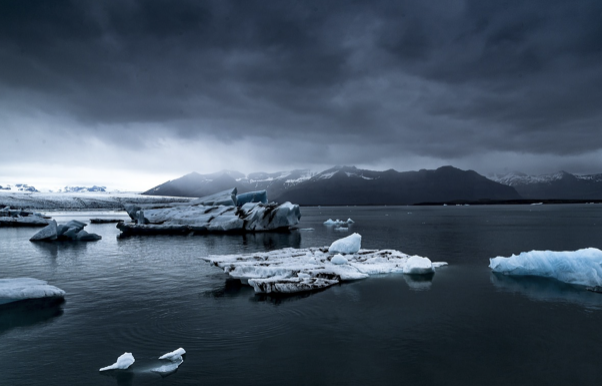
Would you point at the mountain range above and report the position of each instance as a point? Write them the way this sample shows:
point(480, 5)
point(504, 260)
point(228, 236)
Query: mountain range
point(348, 185)
point(556, 186)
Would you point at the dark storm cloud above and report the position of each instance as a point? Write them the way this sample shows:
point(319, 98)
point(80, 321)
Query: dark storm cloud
point(439, 79)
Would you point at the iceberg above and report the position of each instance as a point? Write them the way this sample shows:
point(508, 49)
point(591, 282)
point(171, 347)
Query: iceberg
point(71, 231)
point(349, 244)
point(13, 290)
point(123, 362)
point(257, 196)
point(291, 270)
point(213, 214)
point(582, 267)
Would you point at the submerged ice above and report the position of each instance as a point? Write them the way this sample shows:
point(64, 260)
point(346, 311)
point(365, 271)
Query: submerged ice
point(292, 270)
point(582, 267)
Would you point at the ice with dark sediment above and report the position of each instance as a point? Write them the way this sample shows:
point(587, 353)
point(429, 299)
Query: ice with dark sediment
point(293, 270)
point(17, 217)
point(217, 213)
point(24, 288)
point(71, 231)
point(582, 267)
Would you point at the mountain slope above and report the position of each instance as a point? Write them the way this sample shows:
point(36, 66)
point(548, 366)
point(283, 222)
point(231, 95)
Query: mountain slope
point(560, 185)
point(352, 186)
point(348, 186)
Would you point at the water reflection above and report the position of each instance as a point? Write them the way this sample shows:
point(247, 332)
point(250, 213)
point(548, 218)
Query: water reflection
point(123, 377)
point(231, 287)
point(52, 249)
point(419, 282)
point(273, 240)
point(546, 290)
point(278, 298)
point(29, 312)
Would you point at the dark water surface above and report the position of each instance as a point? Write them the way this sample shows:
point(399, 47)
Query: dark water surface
point(151, 295)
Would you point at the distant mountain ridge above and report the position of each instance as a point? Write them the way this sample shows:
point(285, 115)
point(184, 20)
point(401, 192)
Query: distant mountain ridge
point(559, 185)
point(347, 185)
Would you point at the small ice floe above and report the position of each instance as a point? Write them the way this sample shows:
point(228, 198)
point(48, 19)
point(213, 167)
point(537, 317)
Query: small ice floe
point(582, 267)
point(292, 270)
point(175, 360)
point(307, 229)
point(13, 290)
point(123, 362)
point(342, 229)
point(71, 231)
point(417, 265)
point(338, 223)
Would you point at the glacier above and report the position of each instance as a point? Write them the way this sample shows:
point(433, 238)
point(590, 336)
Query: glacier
point(582, 267)
point(13, 290)
point(216, 213)
point(291, 270)
point(71, 231)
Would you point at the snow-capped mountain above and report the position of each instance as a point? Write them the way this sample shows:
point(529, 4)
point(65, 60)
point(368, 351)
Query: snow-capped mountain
point(84, 189)
point(559, 185)
point(348, 185)
point(18, 188)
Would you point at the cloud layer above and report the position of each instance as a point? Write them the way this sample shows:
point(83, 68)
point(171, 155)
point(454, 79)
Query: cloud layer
point(271, 85)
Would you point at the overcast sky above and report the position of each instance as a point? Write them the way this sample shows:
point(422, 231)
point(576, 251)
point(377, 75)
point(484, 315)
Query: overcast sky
point(128, 94)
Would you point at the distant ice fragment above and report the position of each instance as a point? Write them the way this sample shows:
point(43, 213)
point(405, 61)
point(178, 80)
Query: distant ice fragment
point(338, 222)
point(349, 244)
point(582, 267)
point(123, 362)
point(13, 290)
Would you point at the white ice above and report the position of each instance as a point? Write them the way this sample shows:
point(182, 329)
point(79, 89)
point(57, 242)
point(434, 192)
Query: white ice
point(173, 356)
point(12, 290)
point(175, 360)
point(349, 244)
point(338, 222)
point(292, 270)
point(581, 267)
point(123, 362)
point(417, 265)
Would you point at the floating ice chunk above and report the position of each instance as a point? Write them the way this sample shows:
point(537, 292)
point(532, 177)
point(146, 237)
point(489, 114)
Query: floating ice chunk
point(307, 229)
point(581, 267)
point(174, 355)
point(339, 260)
point(417, 265)
point(341, 229)
point(292, 270)
point(257, 196)
point(48, 233)
point(338, 222)
point(13, 290)
point(71, 231)
point(123, 362)
point(349, 244)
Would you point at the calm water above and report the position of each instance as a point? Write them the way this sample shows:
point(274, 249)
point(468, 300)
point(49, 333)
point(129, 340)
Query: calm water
point(151, 295)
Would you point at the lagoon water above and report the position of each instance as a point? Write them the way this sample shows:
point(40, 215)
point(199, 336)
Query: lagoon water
point(151, 295)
